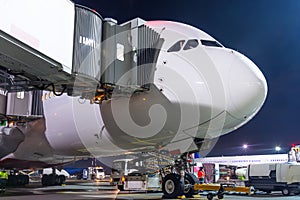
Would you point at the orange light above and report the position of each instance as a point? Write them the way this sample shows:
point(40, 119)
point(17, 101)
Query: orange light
point(123, 179)
point(10, 124)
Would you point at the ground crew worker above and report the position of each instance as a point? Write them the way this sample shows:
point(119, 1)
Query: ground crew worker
point(3, 180)
point(241, 177)
point(201, 175)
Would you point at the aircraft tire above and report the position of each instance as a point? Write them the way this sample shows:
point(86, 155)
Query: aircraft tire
point(62, 179)
point(172, 186)
point(49, 180)
point(192, 180)
point(45, 180)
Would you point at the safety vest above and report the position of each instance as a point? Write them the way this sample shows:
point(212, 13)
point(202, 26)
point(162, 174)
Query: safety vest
point(201, 174)
point(3, 175)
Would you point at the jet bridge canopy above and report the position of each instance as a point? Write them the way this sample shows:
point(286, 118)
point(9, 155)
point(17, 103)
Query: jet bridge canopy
point(71, 48)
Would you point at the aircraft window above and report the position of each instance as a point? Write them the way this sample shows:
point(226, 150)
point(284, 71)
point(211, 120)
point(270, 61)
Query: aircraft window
point(211, 43)
point(190, 44)
point(177, 46)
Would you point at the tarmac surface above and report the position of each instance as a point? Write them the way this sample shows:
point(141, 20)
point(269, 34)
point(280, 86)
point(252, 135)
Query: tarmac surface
point(87, 190)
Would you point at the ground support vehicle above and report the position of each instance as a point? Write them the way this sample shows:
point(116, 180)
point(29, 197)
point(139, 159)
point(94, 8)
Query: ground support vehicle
point(96, 173)
point(140, 171)
point(135, 181)
point(17, 178)
point(53, 176)
point(221, 189)
point(154, 182)
point(142, 182)
point(120, 171)
point(284, 177)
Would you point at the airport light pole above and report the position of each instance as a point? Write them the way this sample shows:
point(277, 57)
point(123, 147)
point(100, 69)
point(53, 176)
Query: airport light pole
point(245, 147)
point(277, 148)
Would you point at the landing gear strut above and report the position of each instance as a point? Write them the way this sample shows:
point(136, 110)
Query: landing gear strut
point(177, 179)
point(15, 179)
point(53, 179)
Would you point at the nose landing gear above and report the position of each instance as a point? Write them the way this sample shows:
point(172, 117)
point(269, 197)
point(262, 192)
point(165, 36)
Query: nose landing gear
point(177, 179)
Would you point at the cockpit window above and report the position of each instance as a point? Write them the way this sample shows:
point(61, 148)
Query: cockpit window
point(177, 46)
point(210, 43)
point(190, 44)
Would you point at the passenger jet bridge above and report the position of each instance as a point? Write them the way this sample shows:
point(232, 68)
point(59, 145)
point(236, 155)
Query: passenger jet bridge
point(66, 48)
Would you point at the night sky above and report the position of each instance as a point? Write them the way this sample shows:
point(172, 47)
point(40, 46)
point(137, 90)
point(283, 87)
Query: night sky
point(266, 31)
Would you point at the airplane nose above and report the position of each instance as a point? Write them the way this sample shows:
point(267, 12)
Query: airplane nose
point(248, 88)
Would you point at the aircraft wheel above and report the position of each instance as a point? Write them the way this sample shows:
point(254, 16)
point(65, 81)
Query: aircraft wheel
point(26, 179)
point(190, 179)
point(45, 180)
point(172, 186)
point(62, 179)
point(12, 180)
point(49, 180)
point(21, 180)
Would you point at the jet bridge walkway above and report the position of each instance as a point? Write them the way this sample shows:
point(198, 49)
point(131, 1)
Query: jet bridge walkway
point(69, 49)
point(64, 48)
point(74, 50)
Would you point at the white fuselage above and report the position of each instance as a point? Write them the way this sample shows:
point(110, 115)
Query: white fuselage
point(201, 90)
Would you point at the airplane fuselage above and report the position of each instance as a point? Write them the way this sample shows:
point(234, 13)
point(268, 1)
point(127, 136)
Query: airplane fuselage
point(201, 90)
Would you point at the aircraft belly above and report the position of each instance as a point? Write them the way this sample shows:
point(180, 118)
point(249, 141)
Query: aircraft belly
point(34, 146)
point(145, 120)
point(61, 131)
point(74, 127)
